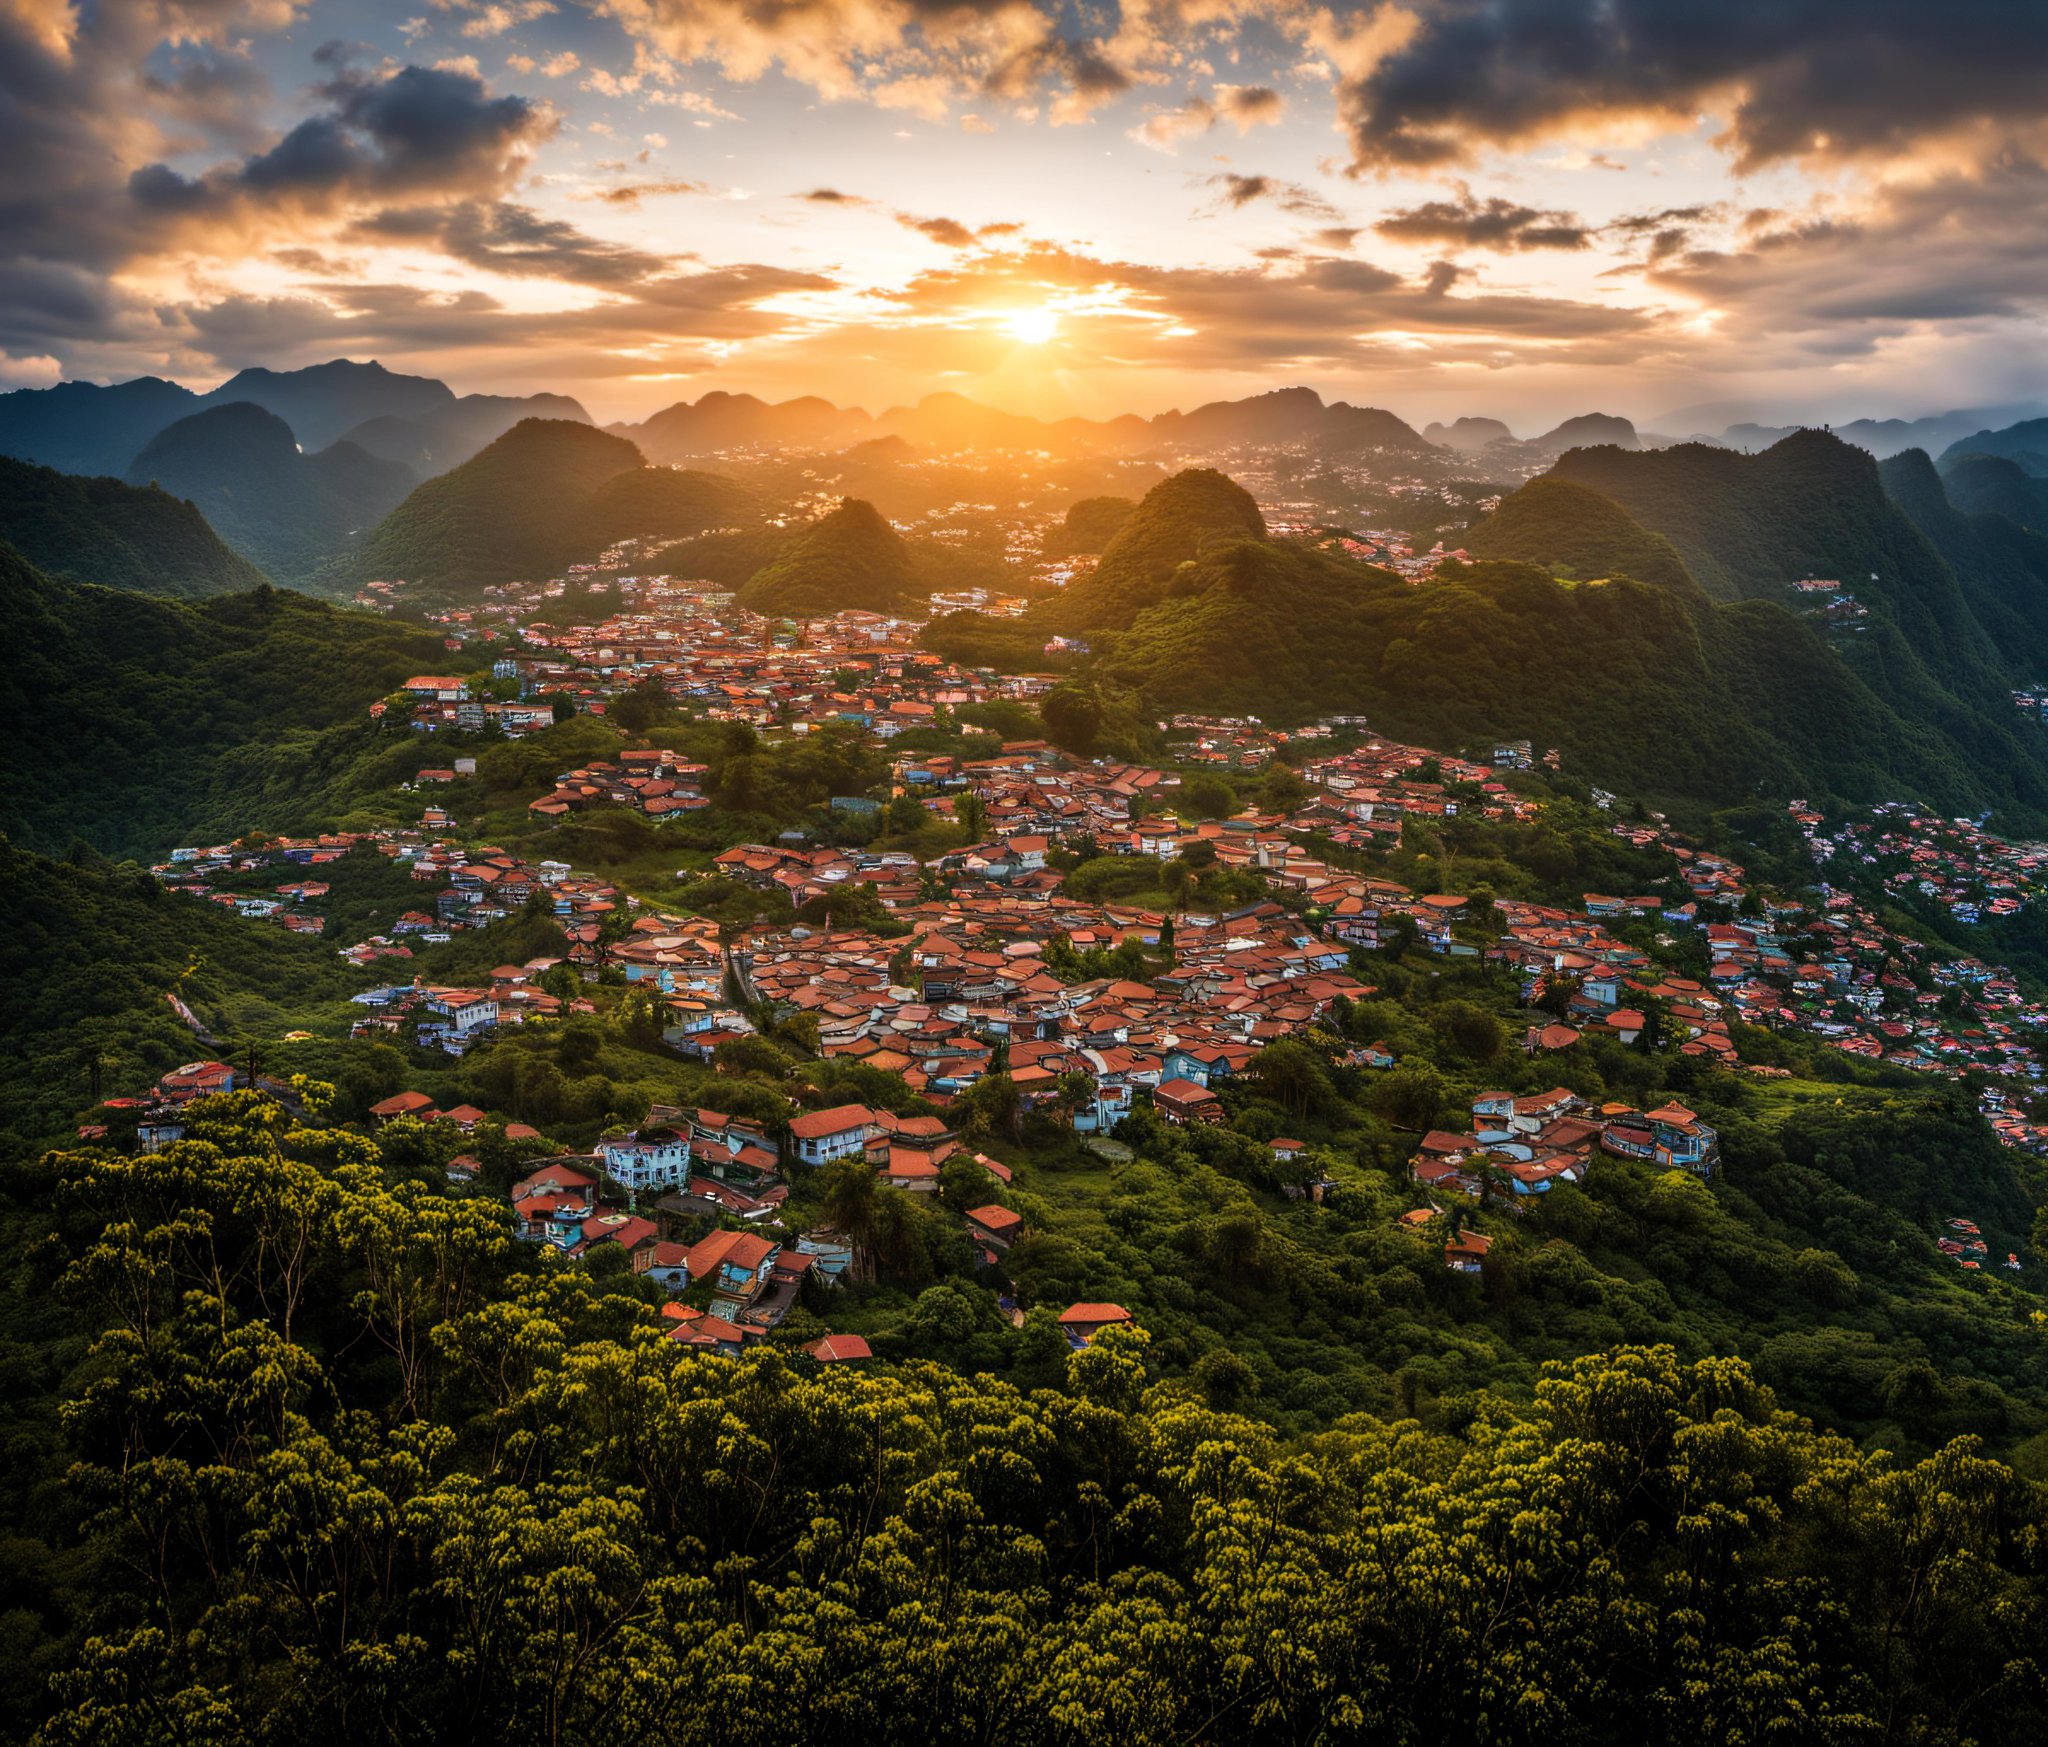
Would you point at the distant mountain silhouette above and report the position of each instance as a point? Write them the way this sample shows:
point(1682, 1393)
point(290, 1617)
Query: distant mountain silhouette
point(1585, 431)
point(1997, 485)
point(2025, 442)
point(324, 401)
point(80, 427)
point(445, 436)
point(282, 509)
point(1468, 435)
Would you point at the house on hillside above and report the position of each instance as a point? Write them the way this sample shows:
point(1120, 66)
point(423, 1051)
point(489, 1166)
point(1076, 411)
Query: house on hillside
point(1182, 1101)
point(1081, 1323)
point(818, 1137)
point(655, 1158)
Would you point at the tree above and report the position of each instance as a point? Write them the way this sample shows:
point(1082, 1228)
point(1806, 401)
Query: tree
point(970, 813)
point(1410, 1095)
point(1073, 718)
point(851, 1202)
point(1208, 797)
point(1473, 1032)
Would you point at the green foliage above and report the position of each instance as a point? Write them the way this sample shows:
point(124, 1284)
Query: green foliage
point(1179, 520)
point(99, 530)
point(285, 511)
point(548, 493)
point(1578, 532)
point(134, 722)
point(1692, 701)
point(848, 559)
point(368, 1471)
point(90, 952)
point(1089, 525)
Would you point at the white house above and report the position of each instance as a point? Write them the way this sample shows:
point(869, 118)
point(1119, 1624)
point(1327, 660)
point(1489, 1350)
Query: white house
point(657, 1158)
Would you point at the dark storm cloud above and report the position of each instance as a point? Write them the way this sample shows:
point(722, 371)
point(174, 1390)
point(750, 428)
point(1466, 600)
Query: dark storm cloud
point(1797, 78)
point(417, 131)
point(1484, 224)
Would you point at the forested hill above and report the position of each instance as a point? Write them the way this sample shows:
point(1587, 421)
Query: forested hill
point(1177, 520)
point(134, 723)
point(1577, 533)
point(100, 530)
point(849, 559)
point(547, 494)
point(2002, 565)
point(1646, 685)
point(1749, 526)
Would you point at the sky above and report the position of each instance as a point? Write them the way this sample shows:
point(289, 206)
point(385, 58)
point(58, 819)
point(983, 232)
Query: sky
point(1680, 212)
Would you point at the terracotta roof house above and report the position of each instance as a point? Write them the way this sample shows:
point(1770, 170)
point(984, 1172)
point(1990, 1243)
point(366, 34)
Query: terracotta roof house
point(1081, 1323)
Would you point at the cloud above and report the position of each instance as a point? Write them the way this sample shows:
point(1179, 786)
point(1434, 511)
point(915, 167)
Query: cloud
point(1958, 252)
point(505, 238)
point(418, 131)
point(926, 56)
point(1665, 232)
point(632, 193)
point(1245, 106)
point(1820, 80)
point(500, 16)
point(947, 232)
point(950, 233)
point(1238, 190)
point(1469, 223)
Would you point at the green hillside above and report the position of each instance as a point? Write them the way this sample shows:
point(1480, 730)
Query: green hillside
point(662, 503)
point(134, 723)
point(283, 510)
point(850, 559)
point(1645, 685)
point(547, 494)
point(2025, 442)
point(100, 530)
point(1748, 526)
point(1089, 525)
point(1578, 533)
point(1178, 519)
point(504, 515)
point(1996, 485)
point(2002, 566)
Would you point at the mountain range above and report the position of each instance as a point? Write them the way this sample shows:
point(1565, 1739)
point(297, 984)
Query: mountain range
point(280, 506)
point(946, 423)
point(1633, 608)
point(80, 427)
point(134, 721)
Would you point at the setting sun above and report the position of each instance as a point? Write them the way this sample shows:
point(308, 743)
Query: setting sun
point(1033, 326)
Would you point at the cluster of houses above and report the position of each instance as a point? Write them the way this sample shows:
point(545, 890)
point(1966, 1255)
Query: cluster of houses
point(1971, 873)
point(660, 785)
point(1518, 1147)
point(667, 1197)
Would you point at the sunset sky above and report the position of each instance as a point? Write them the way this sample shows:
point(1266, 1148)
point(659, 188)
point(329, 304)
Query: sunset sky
point(1525, 209)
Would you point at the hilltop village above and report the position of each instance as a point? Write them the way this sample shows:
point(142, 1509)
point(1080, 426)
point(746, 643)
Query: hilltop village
point(974, 941)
